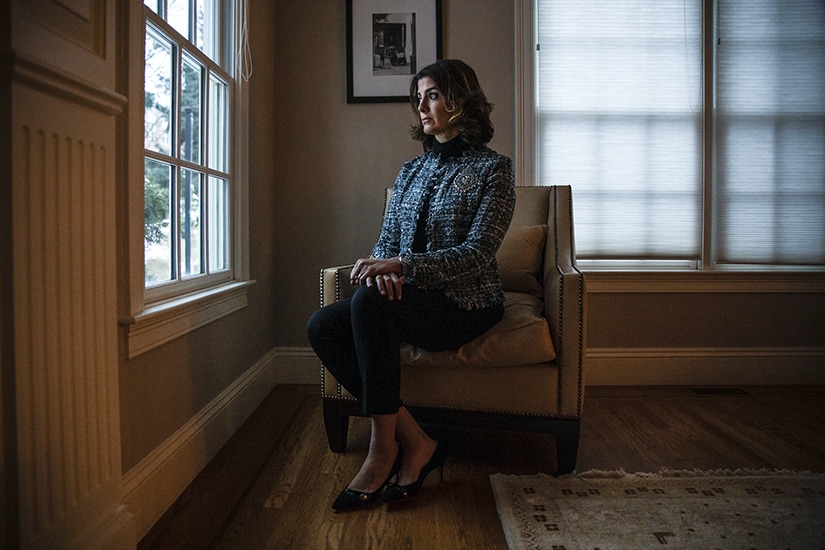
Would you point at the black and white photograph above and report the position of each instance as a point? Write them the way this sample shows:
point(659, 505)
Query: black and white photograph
point(388, 42)
point(393, 40)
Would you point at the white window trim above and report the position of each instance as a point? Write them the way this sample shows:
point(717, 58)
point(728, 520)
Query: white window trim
point(525, 31)
point(706, 278)
point(149, 325)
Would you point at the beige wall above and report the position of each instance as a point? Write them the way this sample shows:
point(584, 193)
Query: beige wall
point(333, 159)
point(706, 320)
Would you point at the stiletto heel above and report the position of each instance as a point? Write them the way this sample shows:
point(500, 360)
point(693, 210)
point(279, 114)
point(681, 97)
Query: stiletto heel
point(397, 492)
point(349, 499)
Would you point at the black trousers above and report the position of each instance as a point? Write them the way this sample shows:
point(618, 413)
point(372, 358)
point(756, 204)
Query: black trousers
point(359, 339)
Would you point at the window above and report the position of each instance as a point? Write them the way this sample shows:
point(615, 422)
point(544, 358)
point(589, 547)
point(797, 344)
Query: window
point(692, 133)
point(770, 132)
point(187, 175)
point(186, 146)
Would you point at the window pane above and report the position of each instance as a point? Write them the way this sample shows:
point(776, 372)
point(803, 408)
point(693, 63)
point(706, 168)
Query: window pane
point(190, 110)
point(771, 132)
point(158, 93)
point(218, 113)
point(191, 236)
point(178, 16)
point(187, 126)
point(218, 224)
point(619, 115)
point(208, 26)
point(157, 222)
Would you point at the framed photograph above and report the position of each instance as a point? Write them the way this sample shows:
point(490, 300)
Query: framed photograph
point(389, 41)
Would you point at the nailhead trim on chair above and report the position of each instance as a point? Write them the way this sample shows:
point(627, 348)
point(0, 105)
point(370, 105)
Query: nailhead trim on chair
point(560, 336)
point(560, 347)
point(581, 340)
point(323, 368)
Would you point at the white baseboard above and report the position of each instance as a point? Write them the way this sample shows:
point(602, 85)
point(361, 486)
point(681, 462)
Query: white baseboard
point(158, 480)
point(647, 366)
point(298, 366)
point(650, 366)
point(704, 366)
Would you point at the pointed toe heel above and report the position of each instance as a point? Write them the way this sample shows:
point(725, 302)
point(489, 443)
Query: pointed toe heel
point(349, 499)
point(353, 500)
point(396, 492)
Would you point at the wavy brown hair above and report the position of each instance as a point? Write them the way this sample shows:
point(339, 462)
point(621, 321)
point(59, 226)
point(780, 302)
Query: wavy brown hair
point(458, 82)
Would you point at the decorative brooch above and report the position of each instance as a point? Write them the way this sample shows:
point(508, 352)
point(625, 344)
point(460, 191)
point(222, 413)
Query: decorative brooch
point(466, 179)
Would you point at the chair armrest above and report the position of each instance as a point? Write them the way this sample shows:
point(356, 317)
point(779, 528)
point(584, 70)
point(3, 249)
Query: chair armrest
point(334, 287)
point(335, 284)
point(565, 302)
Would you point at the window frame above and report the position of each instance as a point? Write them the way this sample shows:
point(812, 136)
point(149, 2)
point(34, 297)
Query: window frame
point(673, 277)
point(150, 317)
point(191, 54)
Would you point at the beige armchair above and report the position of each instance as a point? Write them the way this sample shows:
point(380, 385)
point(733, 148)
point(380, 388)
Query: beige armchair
point(527, 372)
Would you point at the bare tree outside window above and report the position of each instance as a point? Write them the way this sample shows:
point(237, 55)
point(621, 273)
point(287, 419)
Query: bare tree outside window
point(187, 177)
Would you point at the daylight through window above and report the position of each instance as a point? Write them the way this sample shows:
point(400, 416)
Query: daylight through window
point(187, 176)
point(684, 150)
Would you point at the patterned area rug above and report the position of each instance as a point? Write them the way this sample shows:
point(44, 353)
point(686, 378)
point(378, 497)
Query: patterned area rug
point(702, 510)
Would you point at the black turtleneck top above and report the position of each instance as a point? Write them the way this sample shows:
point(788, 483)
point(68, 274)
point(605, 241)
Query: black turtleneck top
point(446, 150)
point(449, 149)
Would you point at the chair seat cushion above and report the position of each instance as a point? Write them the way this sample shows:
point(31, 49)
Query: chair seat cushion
point(522, 337)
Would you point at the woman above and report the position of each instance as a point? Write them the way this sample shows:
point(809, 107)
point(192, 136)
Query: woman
point(431, 280)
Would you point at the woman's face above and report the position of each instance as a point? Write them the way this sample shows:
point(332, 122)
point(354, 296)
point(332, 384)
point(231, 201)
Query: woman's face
point(432, 108)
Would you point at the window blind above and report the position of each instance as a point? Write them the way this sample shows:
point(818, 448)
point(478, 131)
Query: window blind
point(770, 132)
point(619, 94)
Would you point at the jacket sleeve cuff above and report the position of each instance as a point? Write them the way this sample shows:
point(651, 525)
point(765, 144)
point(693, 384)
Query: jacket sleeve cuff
point(407, 269)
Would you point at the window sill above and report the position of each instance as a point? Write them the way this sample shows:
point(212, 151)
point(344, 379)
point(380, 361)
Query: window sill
point(704, 282)
point(163, 322)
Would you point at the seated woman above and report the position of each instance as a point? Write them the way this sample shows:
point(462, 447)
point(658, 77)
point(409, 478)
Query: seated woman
point(431, 280)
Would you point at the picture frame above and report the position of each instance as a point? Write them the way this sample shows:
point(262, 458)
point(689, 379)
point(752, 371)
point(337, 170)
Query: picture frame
point(388, 42)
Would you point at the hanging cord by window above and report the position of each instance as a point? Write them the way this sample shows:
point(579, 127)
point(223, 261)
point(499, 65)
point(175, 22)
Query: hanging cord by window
point(243, 59)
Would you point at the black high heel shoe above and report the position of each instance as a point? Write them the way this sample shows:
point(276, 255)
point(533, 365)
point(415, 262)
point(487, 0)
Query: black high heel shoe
point(349, 499)
point(397, 492)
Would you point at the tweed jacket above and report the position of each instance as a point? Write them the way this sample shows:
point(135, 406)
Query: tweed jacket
point(472, 197)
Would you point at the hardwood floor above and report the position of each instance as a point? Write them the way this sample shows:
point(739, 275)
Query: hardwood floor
point(272, 484)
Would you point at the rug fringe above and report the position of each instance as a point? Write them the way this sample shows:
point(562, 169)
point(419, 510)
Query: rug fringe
point(665, 473)
point(668, 472)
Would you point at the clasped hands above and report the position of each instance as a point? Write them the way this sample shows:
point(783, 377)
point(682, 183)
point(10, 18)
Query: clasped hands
point(385, 274)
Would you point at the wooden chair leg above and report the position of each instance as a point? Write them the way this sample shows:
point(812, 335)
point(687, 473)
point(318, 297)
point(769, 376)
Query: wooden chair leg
point(336, 423)
point(567, 449)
